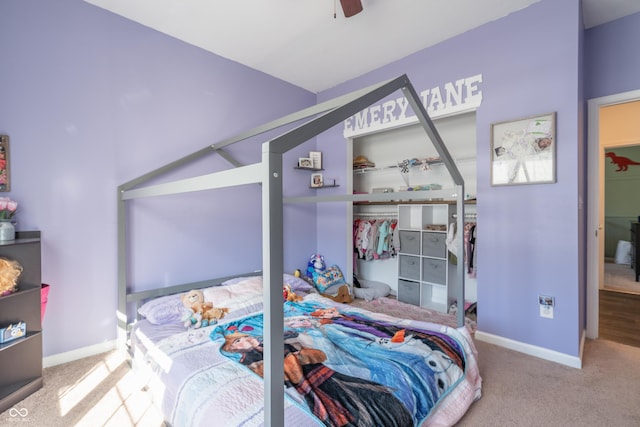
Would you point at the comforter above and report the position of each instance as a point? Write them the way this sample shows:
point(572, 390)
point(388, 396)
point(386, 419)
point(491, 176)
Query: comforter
point(343, 366)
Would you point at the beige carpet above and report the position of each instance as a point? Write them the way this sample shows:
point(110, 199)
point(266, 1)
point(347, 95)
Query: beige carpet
point(96, 391)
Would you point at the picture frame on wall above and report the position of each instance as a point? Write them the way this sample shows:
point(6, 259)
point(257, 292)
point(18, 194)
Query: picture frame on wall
point(305, 163)
point(316, 158)
point(523, 151)
point(317, 180)
point(5, 182)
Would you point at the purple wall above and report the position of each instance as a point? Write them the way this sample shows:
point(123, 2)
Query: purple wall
point(528, 235)
point(91, 100)
point(612, 63)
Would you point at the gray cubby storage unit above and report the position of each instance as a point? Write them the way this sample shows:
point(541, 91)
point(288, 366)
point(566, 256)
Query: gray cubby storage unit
point(21, 359)
point(425, 274)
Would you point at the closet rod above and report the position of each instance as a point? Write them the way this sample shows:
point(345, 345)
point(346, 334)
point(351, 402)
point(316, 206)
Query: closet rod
point(378, 214)
point(466, 215)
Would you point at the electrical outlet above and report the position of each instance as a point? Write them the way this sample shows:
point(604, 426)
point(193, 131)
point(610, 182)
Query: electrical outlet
point(546, 306)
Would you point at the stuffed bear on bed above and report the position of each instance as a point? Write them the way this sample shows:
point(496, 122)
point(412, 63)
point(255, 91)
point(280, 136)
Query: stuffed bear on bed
point(200, 313)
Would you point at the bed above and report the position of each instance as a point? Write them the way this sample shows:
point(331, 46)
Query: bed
point(180, 363)
point(343, 365)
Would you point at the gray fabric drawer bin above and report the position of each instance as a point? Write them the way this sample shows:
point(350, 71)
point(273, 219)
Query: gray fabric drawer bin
point(409, 292)
point(410, 242)
point(434, 270)
point(434, 244)
point(409, 267)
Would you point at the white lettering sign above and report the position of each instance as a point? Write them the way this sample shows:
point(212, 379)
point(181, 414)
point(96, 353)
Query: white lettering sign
point(453, 98)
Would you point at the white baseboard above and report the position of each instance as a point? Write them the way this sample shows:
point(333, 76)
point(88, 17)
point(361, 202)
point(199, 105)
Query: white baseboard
point(80, 353)
point(532, 350)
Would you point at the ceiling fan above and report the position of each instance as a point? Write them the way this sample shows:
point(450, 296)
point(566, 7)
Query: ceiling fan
point(350, 8)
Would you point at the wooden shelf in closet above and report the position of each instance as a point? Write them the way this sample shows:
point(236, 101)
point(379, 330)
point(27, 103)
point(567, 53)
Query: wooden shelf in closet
point(416, 202)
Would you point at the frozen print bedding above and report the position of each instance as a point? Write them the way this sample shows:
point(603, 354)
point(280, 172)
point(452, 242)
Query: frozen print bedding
point(344, 366)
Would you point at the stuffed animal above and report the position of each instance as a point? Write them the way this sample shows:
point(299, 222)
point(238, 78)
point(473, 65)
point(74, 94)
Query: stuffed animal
point(198, 312)
point(316, 264)
point(10, 271)
point(289, 295)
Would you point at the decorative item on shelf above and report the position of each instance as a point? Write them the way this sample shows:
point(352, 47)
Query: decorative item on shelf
point(8, 209)
point(316, 159)
point(404, 171)
point(13, 332)
point(316, 180)
point(10, 271)
point(361, 162)
point(305, 163)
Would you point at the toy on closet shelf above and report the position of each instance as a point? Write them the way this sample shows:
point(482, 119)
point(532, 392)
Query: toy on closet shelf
point(198, 312)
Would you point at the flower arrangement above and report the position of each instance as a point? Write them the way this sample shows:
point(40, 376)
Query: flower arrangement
point(8, 208)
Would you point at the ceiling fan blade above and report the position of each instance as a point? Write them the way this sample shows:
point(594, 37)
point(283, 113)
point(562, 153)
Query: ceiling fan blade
point(351, 7)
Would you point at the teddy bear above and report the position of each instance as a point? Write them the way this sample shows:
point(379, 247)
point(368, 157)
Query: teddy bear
point(10, 271)
point(198, 312)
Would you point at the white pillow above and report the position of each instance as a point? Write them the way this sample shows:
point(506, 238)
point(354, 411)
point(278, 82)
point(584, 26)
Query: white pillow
point(370, 290)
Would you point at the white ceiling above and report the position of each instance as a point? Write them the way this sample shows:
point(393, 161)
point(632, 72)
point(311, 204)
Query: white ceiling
point(301, 42)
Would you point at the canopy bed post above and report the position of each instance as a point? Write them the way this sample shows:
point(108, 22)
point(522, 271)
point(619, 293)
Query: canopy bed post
point(273, 266)
point(122, 319)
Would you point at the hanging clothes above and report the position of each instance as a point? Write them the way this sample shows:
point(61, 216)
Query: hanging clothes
point(374, 238)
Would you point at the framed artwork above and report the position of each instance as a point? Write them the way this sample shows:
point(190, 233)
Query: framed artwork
point(316, 158)
point(305, 162)
point(316, 180)
point(4, 163)
point(523, 151)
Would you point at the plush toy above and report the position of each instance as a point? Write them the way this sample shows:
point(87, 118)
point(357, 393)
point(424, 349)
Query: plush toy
point(316, 264)
point(289, 295)
point(198, 312)
point(343, 295)
point(9, 273)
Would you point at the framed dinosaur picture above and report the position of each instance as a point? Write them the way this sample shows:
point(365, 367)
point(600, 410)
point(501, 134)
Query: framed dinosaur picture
point(523, 151)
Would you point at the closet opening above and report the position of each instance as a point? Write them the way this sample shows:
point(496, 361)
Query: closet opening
point(400, 160)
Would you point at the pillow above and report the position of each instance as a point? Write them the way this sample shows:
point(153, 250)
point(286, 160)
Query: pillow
point(297, 284)
point(162, 310)
point(330, 277)
point(241, 295)
point(370, 290)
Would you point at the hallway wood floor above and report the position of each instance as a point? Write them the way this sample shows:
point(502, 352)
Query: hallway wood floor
point(620, 306)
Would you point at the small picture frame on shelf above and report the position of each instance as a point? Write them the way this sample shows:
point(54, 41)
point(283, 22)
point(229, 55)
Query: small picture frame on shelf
point(305, 162)
point(317, 180)
point(316, 158)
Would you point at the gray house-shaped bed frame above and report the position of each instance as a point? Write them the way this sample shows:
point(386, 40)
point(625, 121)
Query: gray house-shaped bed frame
point(268, 173)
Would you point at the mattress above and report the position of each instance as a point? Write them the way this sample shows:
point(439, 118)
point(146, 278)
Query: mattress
point(195, 382)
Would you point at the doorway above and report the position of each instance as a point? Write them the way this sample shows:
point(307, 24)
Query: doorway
point(595, 208)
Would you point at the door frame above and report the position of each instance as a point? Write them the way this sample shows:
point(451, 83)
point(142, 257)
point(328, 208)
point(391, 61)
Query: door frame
point(595, 204)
